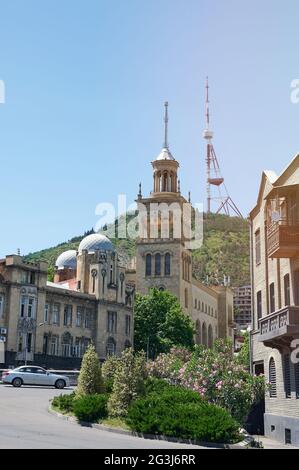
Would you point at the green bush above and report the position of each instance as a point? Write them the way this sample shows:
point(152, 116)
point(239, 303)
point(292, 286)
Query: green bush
point(90, 379)
point(128, 382)
point(64, 403)
point(91, 408)
point(181, 413)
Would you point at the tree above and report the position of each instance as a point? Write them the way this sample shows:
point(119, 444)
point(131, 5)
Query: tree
point(243, 356)
point(128, 382)
point(160, 323)
point(90, 377)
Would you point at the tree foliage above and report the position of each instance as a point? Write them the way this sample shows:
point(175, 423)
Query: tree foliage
point(128, 382)
point(160, 323)
point(90, 377)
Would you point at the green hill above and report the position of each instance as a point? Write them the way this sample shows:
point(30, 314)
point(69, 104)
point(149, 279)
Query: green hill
point(225, 250)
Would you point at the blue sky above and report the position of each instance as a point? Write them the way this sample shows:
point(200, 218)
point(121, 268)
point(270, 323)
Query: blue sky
point(85, 86)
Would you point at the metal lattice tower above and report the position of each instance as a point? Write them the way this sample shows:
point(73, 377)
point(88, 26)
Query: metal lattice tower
point(214, 177)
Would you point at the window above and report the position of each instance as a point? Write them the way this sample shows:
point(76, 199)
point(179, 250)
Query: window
point(56, 314)
point(158, 264)
point(45, 344)
point(287, 375)
point(23, 306)
point(259, 304)
point(186, 298)
point(67, 318)
point(128, 325)
point(46, 313)
point(288, 436)
point(195, 303)
point(296, 370)
point(257, 247)
point(28, 277)
point(272, 298)
point(272, 378)
point(167, 264)
point(286, 282)
point(127, 344)
point(31, 304)
point(29, 342)
point(66, 345)
point(54, 345)
point(88, 318)
point(20, 343)
point(1, 305)
point(79, 316)
point(112, 322)
point(111, 347)
point(148, 265)
point(210, 336)
point(111, 274)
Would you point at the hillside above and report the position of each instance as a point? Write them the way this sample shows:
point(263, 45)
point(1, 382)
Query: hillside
point(225, 250)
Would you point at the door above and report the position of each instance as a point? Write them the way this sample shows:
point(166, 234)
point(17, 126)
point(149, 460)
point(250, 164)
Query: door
point(41, 377)
point(27, 375)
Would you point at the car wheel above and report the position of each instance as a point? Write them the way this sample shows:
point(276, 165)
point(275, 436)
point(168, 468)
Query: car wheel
point(60, 384)
point(17, 382)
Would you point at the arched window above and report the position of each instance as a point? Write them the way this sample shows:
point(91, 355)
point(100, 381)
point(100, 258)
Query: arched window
point(165, 181)
point(111, 347)
point(210, 336)
point(198, 332)
point(158, 264)
point(204, 335)
point(167, 264)
point(272, 378)
point(127, 344)
point(148, 265)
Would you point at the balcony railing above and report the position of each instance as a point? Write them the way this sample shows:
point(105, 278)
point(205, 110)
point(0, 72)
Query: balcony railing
point(279, 328)
point(283, 240)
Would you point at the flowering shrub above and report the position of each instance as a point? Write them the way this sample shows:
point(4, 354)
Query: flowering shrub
point(214, 374)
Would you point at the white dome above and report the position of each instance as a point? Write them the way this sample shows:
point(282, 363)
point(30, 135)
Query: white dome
point(165, 155)
point(67, 259)
point(95, 242)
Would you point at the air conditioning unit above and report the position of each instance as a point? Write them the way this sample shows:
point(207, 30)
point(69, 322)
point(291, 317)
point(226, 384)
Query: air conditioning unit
point(3, 331)
point(3, 339)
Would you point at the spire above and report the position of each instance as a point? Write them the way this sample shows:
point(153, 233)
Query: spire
point(139, 193)
point(166, 125)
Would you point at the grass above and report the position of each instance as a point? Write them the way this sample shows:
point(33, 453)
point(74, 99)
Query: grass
point(115, 423)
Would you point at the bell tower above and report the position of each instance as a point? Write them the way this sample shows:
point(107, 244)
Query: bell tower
point(162, 261)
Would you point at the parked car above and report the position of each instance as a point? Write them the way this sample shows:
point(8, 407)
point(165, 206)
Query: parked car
point(34, 375)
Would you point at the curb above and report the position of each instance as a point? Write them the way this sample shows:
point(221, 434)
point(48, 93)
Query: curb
point(102, 427)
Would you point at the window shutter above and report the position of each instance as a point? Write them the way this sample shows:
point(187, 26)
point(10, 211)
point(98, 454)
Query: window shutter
point(272, 378)
point(287, 376)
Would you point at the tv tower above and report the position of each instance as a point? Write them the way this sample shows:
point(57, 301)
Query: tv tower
point(214, 177)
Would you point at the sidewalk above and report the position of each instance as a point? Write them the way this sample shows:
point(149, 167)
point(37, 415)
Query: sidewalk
point(271, 444)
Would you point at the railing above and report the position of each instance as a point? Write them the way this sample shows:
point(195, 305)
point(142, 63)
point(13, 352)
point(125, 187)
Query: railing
point(281, 235)
point(284, 322)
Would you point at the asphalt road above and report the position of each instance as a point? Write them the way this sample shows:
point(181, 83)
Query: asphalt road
point(25, 423)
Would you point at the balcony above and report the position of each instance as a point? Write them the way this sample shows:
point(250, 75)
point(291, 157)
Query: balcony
point(283, 240)
point(278, 329)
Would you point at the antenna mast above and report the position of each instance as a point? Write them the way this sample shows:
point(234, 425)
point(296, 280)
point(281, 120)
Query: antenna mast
point(214, 177)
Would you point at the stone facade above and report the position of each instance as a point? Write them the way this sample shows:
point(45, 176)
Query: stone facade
point(275, 299)
point(52, 323)
point(164, 259)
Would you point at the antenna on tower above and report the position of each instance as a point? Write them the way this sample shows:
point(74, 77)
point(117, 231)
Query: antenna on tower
point(214, 177)
point(166, 125)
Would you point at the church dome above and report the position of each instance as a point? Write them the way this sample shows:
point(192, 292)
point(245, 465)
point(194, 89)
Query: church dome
point(67, 259)
point(95, 242)
point(165, 154)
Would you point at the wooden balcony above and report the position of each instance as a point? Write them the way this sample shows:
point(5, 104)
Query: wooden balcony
point(278, 329)
point(283, 240)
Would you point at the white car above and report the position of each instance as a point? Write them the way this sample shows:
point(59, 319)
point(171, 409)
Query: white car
point(34, 375)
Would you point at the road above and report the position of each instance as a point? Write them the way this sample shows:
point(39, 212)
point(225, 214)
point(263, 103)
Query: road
point(25, 423)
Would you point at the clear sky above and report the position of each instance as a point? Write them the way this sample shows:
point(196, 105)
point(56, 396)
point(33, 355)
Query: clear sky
point(85, 85)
